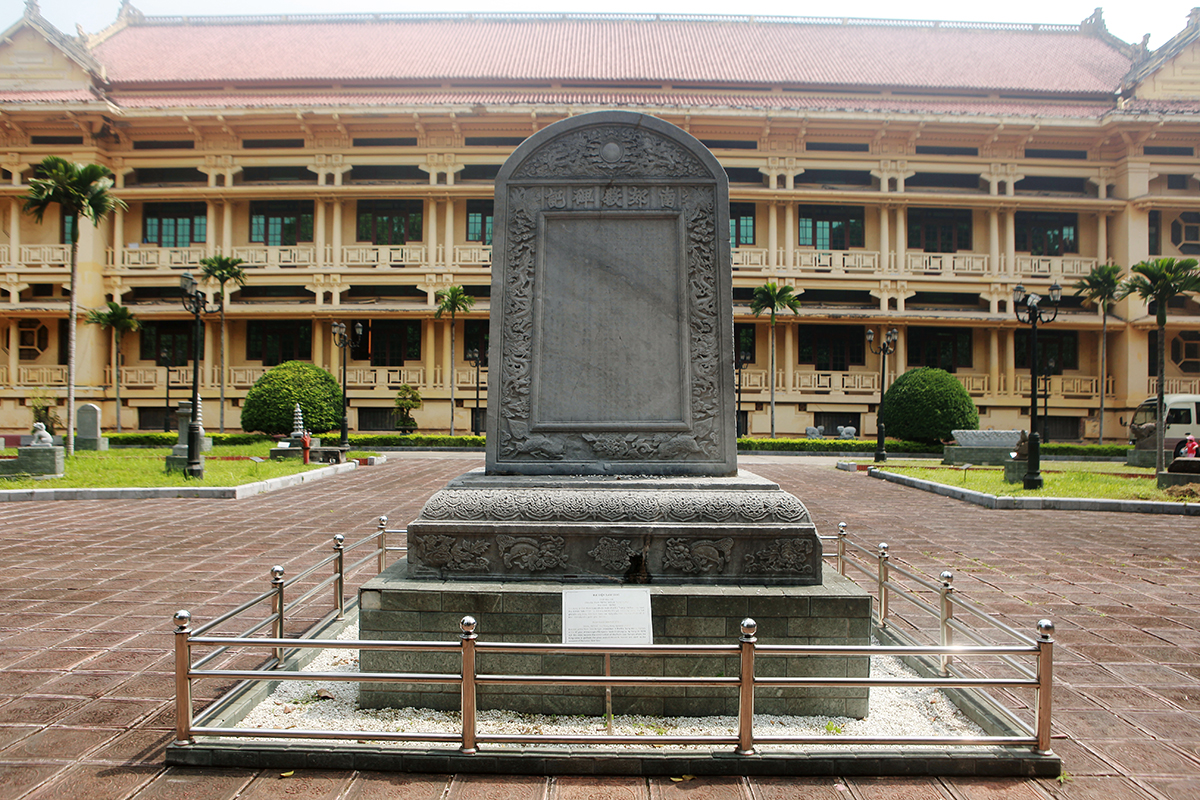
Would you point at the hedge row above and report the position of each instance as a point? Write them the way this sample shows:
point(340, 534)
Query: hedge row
point(1096, 450)
point(369, 440)
point(835, 445)
point(161, 439)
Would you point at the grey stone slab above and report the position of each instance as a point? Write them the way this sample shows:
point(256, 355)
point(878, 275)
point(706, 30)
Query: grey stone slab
point(637, 207)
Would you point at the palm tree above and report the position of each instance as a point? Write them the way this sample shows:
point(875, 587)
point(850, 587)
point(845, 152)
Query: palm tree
point(1099, 288)
point(120, 320)
point(452, 300)
point(1159, 281)
point(770, 297)
point(78, 190)
point(223, 269)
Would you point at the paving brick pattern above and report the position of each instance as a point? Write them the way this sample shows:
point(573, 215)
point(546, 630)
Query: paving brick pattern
point(88, 589)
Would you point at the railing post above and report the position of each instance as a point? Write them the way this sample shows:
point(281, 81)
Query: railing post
point(468, 637)
point(277, 609)
point(183, 683)
point(882, 584)
point(841, 549)
point(339, 569)
point(946, 613)
point(1045, 675)
point(746, 689)
point(382, 543)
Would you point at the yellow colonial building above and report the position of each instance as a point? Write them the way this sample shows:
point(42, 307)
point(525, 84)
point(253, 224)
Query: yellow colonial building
point(901, 175)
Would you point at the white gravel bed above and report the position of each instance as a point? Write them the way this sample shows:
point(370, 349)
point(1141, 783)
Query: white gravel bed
point(333, 705)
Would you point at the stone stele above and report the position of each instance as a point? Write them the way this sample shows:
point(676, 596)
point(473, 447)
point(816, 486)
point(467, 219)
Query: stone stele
point(611, 446)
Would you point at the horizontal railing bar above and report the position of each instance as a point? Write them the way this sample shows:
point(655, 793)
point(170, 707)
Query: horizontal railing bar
point(374, 554)
point(334, 644)
point(343, 677)
point(873, 574)
point(894, 567)
point(1024, 669)
point(255, 628)
point(892, 650)
point(976, 611)
point(914, 599)
point(363, 541)
point(583, 649)
point(601, 680)
point(938, 683)
point(310, 570)
point(312, 591)
point(230, 614)
point(300, 733)
point(867, 551)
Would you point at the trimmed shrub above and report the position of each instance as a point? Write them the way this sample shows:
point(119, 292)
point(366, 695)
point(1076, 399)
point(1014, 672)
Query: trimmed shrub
point(271, 402)
point(835, 445)
point(926, 404)
point(414, 440)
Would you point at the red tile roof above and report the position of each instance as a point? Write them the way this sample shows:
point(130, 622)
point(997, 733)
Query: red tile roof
point(728, 51)
point(664, 100)
point(59, 96)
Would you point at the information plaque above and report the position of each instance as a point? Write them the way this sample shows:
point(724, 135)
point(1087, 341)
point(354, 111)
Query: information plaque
point(606, 616)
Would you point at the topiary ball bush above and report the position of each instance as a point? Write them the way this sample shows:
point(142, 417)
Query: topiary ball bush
point(926, 404)
point(270, 404)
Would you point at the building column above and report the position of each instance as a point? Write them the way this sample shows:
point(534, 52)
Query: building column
point(14, 352)
point(210, 228)
point(227, 227)
point(1102, 238)
point(449, 235)
point(336, 261)
point(772, 235)
point(91, 341)
point(428, 339)
point(14, 232)
point(994, 240)
point(900, 359)
point(447, 357)
point(1010, 241)
point(885, 244)
point(212, 328)
point(789, 234)
point(431, 232)
point(994, 361)
point(901, 236)
point(1010, 361)
point(319, 233)
point(789, 355)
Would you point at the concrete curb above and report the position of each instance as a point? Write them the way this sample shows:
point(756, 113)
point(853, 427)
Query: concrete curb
point(167, 492)
point(1039, 503)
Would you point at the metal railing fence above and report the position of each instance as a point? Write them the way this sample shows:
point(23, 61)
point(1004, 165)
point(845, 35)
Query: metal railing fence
point(847, 555)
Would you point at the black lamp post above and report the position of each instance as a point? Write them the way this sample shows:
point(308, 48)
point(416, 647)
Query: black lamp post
point(886, 347)
point(1047, 375)
point(345, 340)
point(194, 301)
point(743, 360)
point(473, 358)
point(164, 355)
point(1029, 311)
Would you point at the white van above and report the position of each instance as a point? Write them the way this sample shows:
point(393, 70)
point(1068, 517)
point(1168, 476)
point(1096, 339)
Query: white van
point(1183, 417)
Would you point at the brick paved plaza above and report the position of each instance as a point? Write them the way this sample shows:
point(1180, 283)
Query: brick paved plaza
point(88, 588)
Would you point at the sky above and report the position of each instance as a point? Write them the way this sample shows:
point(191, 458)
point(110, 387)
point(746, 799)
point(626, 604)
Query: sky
point(1128, 20)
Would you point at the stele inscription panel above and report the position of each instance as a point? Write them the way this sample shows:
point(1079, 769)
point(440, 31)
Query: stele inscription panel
point(611, 321)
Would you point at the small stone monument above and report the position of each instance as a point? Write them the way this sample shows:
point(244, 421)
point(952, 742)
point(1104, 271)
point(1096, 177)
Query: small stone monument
point(87, 435)
point(178, 459)
point(982, 447)
point(296, 440)
point(611, 451)
point(40, 437)
point(41, 458)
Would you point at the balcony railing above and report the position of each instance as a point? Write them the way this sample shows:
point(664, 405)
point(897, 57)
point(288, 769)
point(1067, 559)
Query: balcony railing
point(385, 256)
point(277, 257)
point(1052, 266)
point(45, 255)
point(837, 262)
point(947, 264)
point(1062, 385)
point(158, 257)
point(976, 385)
point(42, 376)
point(465, 378)
point(473, 256)
point(1174, 386)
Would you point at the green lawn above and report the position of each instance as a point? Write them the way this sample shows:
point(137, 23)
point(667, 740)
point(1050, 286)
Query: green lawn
point(140, 468)
point(1100, 480)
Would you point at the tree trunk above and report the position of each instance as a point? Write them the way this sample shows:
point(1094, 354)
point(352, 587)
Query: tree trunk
point(222, 357)
point(1161, 422)
point(450, 367)
point(771, 377)
point(1103, 368)
point(71, 314)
